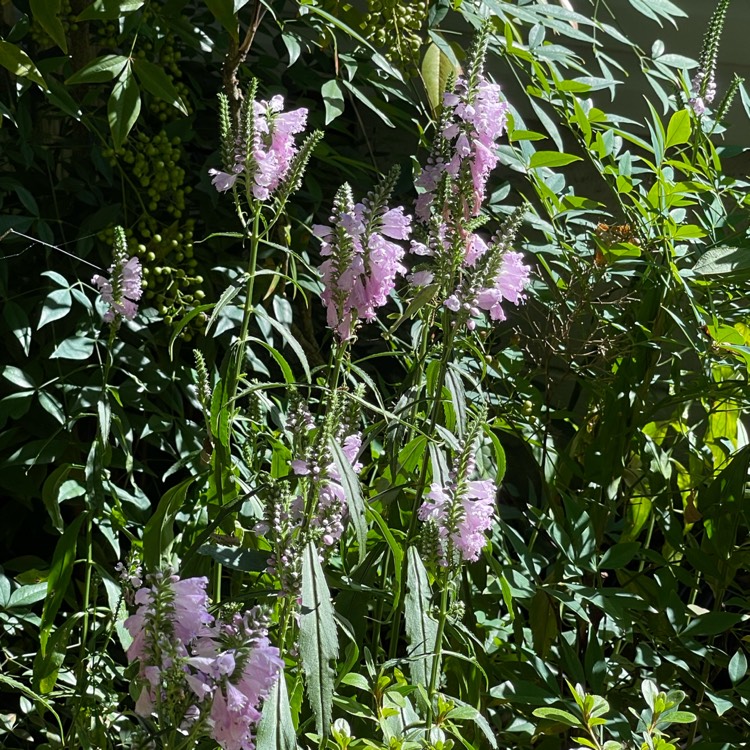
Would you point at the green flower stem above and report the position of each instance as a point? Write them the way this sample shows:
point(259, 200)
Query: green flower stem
point(419, 494)
point(438, 652)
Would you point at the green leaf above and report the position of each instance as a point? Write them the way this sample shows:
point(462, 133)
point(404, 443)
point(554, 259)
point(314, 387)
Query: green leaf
point(158, 534)
point(19, 63)
point(543, 621)
point(679, 129)
point(56, 305)
point(25, 596)
point(436, 67)
point(367, 102)
point(721, 261)
point(223, 11)
point(237, 558)
point(47, 14)
point(276, 728)
point(59, 578)
point(333, 98)
point(124, 106)
point(396, 550)
point(499, 453)
point(21, 688)
point(100, 70)
point(47, 662)
point(557, 714)
point(156, 82)
point(737, 667)
point(318, 639)
point(677, 717)
point(421, 627)
point(712, 623)
point(288, 339)
point(355, 503)
point(109, 9)
point(551, 159)
point(619, 555)
point(75, 347)
point(18, 377)
point(18, 323)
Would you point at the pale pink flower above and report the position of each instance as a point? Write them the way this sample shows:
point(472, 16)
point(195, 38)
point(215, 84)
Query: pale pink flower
point(123, 290)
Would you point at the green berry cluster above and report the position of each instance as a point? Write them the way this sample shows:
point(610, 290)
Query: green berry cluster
point(154, 163)
point(396, 25)
point(107, 34)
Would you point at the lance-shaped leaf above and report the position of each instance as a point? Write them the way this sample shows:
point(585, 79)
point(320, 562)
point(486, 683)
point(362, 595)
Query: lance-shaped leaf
point(421, 627)
point(354, 501)
point(276, 728)
point(318, 639)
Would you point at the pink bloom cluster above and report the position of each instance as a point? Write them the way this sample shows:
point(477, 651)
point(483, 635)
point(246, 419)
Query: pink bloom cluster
point(233, 665)
point(355, 291)
point(471, 128)
point(704, 93)
point(123, 290)
point(506, 283)
point(273, 149)
point(461, 512)
point(332, 509)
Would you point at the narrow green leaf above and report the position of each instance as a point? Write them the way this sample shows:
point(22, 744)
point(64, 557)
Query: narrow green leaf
point(557, 714)
point(124, 106)
point(396, 550)
point(288, 339)
point(47, 663)
point(100, 70)
point(421, 627)
point(677, 717)
point(318, 639)
point(679, 129)
point(19, 63)
point(223, 11)
point(184, 320)
point(59, 578)
point(47, 14)
point(355, 503)
point(157, 83)
point(367, 102)
point(543, 621)
point(21, 688)
point(158, 534)
point(276, 728)
point(551, 159)
point(499, 453)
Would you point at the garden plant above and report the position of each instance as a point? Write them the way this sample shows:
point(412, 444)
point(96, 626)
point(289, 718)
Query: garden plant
point(371, 379)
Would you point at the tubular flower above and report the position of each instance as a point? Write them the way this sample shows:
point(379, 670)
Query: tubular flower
point(362, 260)
point(122, 290)
point(262, 149)
point(473, 120)
point(171, 614)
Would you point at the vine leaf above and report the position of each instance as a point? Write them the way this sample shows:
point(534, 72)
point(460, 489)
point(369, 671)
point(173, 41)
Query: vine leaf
point(318, 639)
